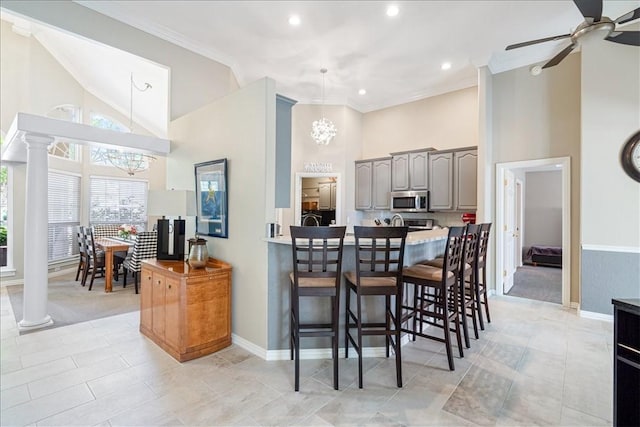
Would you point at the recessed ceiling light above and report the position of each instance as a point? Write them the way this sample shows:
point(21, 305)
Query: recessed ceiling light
point(362, 92)
point(294, 20)
point(392, 10)
point(446, 65)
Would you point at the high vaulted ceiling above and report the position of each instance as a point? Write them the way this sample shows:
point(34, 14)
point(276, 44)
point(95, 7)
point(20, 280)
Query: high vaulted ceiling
point(395, 59)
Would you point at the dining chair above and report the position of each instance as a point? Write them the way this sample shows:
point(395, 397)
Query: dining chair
point(145, 247)
point(96, 258)
point(317, 268)
point(379, 257)
point(436, 298)
point(82, 259)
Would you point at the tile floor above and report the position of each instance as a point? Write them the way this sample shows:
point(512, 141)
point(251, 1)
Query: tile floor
point(536, 364)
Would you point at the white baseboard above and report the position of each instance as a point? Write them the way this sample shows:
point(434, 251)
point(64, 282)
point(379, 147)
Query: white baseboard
point(307, 353)
point(58, 273)
point(596, 316)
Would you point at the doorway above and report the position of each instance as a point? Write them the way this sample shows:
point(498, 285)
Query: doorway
point(515, 270)
point(317, 199)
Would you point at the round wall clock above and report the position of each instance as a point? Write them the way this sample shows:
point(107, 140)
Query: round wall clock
point(630, 156)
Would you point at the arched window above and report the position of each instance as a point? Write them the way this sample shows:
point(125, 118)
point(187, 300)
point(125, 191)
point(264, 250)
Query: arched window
point(98, 154)
point(65, 149)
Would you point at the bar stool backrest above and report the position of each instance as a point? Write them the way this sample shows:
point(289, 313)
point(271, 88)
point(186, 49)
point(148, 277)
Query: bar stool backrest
point(472, 234)
point(380, 251)
point(453, 252)
point(317, 252)
point(483, 244)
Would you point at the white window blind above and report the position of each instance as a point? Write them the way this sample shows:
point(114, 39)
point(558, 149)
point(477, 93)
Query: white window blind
point(64, 215)
point(118, 201)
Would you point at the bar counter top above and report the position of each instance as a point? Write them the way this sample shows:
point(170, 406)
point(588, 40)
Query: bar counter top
point(413, 238)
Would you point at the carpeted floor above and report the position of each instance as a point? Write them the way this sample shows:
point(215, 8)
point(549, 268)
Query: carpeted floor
point(71, 303)
point(538, 283)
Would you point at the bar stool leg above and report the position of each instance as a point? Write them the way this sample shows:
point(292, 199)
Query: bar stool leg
point(398, 346)
point(359, 325)
point(387, 317)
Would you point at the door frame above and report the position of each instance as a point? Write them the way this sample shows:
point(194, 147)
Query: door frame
point(564, 164)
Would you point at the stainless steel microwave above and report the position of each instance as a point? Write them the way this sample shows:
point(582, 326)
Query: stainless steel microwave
point(410, 201)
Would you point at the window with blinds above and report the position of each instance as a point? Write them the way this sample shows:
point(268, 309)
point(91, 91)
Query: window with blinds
point(118, 201)
point(64, 215)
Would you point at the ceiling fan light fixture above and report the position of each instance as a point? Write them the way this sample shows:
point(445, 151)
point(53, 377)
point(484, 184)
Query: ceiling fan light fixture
point(323, 130)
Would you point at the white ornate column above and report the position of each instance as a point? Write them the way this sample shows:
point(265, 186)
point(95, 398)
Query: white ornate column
point(34, 313)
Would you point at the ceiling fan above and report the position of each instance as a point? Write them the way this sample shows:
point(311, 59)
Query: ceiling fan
point(593, 21)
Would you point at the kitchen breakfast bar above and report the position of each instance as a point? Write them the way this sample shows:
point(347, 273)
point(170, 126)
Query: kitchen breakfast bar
point(420, 246)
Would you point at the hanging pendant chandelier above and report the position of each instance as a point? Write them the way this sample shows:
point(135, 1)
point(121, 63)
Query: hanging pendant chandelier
point(131, 162)
point(323, 130)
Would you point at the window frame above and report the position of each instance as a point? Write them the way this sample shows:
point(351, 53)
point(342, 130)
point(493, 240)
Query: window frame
point(145, 200)
point(73, 242)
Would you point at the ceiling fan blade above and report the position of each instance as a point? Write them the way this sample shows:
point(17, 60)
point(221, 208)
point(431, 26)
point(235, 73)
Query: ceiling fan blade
point(530, 42)
point(634, 14)
point(631, 38)
point(559, 57)
point(590, 9)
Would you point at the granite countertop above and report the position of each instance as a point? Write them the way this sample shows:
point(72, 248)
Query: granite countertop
point(413, 238)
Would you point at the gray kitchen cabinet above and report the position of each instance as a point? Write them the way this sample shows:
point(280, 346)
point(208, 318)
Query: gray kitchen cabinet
point(410, 170)
point(441, 179)
point(373, 184)
point(400, 172)
point(325, 196)
point(327, 192)
point(381, 184)
point(332, 197)
point(419, 170)
point(364, 185)
point(453, 179)
point(466, 178)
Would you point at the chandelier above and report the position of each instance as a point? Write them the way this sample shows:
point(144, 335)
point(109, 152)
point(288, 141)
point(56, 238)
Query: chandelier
point(323, 130)
point(128, 161)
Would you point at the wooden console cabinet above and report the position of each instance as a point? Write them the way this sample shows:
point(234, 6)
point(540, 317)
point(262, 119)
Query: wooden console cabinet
point(184, 310)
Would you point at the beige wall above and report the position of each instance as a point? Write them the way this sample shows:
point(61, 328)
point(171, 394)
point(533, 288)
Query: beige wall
point(343, 150)
point(195, 80)
point(236, 128)
point(444, 121)
point(538, 117)
point(32, 81)
point(610, 115)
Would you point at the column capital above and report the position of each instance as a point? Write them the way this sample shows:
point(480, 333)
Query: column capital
point(37, 139)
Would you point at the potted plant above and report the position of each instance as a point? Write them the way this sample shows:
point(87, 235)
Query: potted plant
point(3, 246)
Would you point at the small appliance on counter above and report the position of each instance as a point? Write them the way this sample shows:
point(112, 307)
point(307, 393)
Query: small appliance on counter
point(419, 224)
point(469, 218)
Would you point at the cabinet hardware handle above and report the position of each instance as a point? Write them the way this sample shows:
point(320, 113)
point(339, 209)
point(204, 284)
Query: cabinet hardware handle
point(169, 286)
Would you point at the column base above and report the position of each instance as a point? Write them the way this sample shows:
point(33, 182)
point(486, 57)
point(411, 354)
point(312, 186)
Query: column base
point(24, 325)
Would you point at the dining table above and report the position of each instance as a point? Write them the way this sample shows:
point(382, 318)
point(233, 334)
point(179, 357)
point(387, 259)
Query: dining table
point(110, 245)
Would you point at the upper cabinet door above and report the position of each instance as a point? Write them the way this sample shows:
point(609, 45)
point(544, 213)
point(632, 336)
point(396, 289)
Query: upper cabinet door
point(419, 170)
point(381, 184)
point(363, 185)
point(325, 196)
point(441, 179)
point(466, 167)
point(400, 170)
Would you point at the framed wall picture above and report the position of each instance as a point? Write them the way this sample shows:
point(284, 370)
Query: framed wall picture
point(211, 198)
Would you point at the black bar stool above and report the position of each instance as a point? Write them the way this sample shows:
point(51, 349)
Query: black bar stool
point(317, 266)
point(436, 298)
point(481, 279)
point(379, 263)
